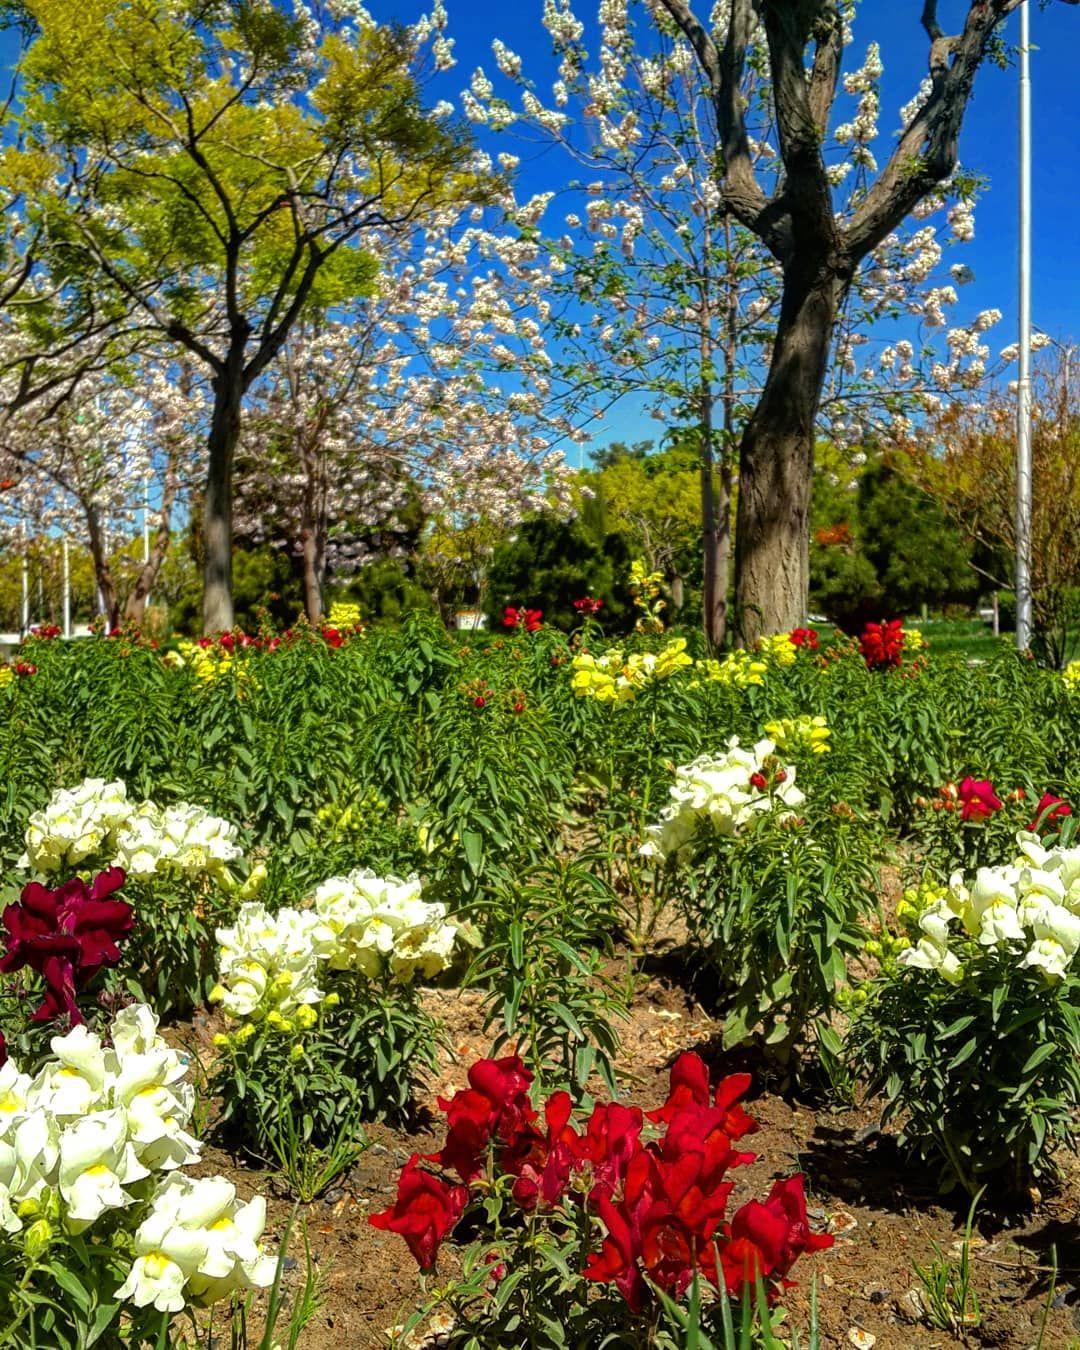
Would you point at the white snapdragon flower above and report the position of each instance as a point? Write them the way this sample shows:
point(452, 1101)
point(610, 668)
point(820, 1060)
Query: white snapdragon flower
point(78, 823)
point(197, 1244)
point(384, 923)
point(179, 839)
point(720, 790)
point(930, 955)
point(97, 1160)
point(269, 962)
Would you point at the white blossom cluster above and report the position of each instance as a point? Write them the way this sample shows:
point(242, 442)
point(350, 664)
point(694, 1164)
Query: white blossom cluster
point(270, 965)
point(383, 924)
point(1030, 908)
point(102, 1128)
point(78, 823)
point(96, 822)
point(725, 791)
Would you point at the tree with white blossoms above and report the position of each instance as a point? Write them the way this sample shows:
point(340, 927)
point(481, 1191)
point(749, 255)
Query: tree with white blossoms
point(366, 416)
point(216, 183)
point(744, 266)
point(88, 468)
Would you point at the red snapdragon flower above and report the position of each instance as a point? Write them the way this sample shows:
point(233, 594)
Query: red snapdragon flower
point(770, 1237)
point(805, 637)
point(494, 1105)
point(1050, 808)
point(426, 1209)
point(977, 798)
point(45, 632)
point(529, 619)
point(67, 935)
point(333, 637)
point(882, 644)
point(662, 1203)
point(588, 607)
point(24, 669)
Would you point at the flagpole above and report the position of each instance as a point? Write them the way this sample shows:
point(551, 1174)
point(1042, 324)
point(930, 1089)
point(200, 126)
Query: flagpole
point(1023, 391)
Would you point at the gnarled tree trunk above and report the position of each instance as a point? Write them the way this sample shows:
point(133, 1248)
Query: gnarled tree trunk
point(776, 462)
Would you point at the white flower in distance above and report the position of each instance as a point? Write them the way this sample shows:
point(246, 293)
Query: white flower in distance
point(383, 923)
point(269, 962)
point(198, 1244)
point(180, 839)
point(726, 791)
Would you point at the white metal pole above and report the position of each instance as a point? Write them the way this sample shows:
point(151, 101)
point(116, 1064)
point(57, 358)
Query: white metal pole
point(1023, 393)
point(146, 532)
point(67, 587)
point(25, 611)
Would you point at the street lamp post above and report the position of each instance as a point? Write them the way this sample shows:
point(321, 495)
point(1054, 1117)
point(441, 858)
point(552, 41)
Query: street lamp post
point(1023, 392)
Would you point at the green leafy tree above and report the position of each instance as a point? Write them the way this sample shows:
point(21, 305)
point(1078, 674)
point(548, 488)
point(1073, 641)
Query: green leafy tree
point(217, 164)
point(881, 547)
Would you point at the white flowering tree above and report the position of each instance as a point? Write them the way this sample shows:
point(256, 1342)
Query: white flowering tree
point(435, 392)
point(742, 244)
point(91, 465)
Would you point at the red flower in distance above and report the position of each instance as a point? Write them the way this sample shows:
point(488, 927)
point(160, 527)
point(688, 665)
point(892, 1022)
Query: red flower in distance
point(587, 606)
point(332, 637)
point(529, 619)
point(882, 644)
point(977, 798)
point(426, 1209)
point(1050, 808)
point(45, 631)
point(67, 936)
point(805, 637)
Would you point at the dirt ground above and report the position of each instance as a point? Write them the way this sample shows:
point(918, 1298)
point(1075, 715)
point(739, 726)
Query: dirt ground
point(887, 1216)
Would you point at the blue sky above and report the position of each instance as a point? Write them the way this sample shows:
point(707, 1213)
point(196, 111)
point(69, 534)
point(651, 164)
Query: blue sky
point(988, 144)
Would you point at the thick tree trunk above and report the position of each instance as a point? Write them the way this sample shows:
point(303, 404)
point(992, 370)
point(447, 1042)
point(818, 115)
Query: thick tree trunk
point(776, 463)
point(218, 496)
point(102, 571)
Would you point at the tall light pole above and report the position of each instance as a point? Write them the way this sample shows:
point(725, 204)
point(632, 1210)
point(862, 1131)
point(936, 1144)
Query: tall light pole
point(1023, 391)
point(67, 587)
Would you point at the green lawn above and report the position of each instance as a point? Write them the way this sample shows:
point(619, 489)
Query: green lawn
point(970, 637)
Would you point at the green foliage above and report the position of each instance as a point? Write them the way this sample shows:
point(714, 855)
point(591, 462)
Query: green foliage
point(982, 1075)
point(883, 549)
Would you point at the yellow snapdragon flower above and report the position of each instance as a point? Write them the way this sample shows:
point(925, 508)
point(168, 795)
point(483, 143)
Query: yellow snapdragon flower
point(805, 733)
point(1071, 676)
point(779, 648)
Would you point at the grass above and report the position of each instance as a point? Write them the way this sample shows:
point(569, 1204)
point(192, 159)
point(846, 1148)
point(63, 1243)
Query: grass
point(970, 638)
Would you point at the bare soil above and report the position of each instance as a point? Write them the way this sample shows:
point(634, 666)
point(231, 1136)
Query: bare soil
point(886, 1214)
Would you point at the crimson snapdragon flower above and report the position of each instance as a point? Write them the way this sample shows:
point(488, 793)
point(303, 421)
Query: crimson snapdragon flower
point(529, 619)
point(662, 1203)
point(66, 935)
point(977, 798)
point(805, 637)
point(1050, 808)
point(587, 606)
point(882, 644)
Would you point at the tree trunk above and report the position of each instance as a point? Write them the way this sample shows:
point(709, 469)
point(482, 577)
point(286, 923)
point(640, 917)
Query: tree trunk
point(135, 609)
point(102, 571)
point(776, 463)
point(313, 603)
point(218, 495)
